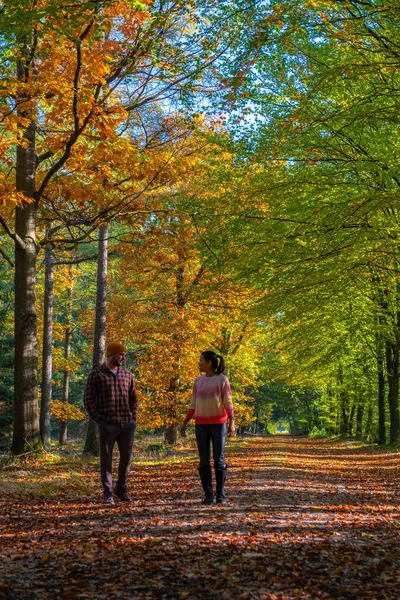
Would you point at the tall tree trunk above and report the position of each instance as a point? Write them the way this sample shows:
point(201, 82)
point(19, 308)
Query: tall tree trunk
point(66, 375)
point(351, 417)
point(344, 421)
point(337, 421)
point(226, 346)
point(343, 403)
point(47, 359)
point(308, 407)
point(171, 431)
point(99, 344)
point(392, 366)
point(170, 434)
point(368, 425)
point(381, 401)
point(359, 417)
point(26, 433)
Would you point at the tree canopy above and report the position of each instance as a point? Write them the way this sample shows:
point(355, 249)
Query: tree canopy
point(244, 158)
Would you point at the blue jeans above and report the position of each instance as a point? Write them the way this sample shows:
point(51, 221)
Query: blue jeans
point(215, 433)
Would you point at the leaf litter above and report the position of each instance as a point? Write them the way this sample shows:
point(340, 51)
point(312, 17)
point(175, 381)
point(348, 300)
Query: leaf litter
point(305, 519)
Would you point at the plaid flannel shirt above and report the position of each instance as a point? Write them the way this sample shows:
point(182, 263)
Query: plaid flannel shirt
point(111, 398)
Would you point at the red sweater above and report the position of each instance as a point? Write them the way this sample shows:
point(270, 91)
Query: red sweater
point(211, 400)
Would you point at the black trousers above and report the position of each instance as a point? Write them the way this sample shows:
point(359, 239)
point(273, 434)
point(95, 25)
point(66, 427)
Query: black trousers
point(109, 434)
point(215, 434)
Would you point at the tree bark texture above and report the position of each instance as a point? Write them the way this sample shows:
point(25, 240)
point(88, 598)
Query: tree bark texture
point(359, 417)
point(170, 434)
point(66, 374)
point(368, 425)
point(47, 358)
point(171, 431)
point(381, 401)
point(392, 366)
point(26, 433)
point(351, 417)
point(344, 421)
point(99, 344)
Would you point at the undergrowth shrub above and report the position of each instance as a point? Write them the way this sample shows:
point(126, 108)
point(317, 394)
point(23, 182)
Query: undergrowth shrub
point(318, 433)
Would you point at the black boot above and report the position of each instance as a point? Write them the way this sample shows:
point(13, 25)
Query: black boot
point(205, 476)
point(120, 491)
point(220, 476)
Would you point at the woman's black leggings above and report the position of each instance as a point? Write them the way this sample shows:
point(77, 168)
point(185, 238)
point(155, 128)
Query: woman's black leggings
point(215, 433)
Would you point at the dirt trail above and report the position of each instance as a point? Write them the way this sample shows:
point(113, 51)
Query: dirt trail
point(305, 519)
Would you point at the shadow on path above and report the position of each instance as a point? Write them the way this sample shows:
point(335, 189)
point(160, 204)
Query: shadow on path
point(305, 519)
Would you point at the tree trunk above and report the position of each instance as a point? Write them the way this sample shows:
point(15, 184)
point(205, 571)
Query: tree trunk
point(368, 425)
point(225, 348)
point(359, 417)
point(381, 401)
point(392, 366)
point(47, 359)
point(344, 421)
point(337, 423)
point(99, 344)
point(26, 433)
point(170, 434)
point(172, 417)
point(66, 375)
point(351, 418)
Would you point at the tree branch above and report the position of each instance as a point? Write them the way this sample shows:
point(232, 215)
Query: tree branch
point(11, 233)
point(76, 261)
point(6, 257)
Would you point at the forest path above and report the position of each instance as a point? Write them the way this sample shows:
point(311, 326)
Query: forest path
point(305, 519)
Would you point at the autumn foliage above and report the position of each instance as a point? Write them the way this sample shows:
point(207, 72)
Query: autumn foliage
point(244, 160)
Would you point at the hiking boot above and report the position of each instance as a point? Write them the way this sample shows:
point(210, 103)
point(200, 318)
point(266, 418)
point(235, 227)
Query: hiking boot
point(108, 498)
point(120, 492)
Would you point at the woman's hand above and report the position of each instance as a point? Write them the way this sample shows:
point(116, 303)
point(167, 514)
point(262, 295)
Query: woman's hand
point(231, 428)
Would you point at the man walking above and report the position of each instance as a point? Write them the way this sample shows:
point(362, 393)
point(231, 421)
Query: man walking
point(110, 399)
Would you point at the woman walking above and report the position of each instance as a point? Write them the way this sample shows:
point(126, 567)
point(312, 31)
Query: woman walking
point(211, 407)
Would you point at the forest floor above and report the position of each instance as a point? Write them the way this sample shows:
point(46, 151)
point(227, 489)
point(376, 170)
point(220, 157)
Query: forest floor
point(305, 519)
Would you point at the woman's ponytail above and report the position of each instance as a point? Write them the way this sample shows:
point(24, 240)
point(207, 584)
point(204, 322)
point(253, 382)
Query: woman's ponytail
point(221, 366)
point(217, 362)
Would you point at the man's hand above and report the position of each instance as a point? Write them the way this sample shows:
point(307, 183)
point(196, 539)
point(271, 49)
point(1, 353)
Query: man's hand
point(183, 430)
